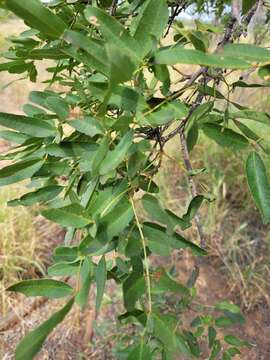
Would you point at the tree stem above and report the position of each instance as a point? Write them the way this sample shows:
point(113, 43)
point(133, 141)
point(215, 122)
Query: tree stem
point(192, 186)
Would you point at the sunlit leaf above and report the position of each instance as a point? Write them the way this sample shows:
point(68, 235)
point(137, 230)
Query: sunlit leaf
point(38, 16)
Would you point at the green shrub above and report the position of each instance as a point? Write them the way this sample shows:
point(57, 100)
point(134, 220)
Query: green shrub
point(93, 173)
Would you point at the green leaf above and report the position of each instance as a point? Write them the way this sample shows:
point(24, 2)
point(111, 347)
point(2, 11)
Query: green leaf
point(179, 55)
point(252, 115)
point(192, 137)
point(13, 136)
point(27, 125)
point(157, 239)
point(179, 242)
point(149, 23)
point(33, 111)
point(118, 61)
point(247, 52)
point(163, 75)
point(115, 221)
point(136, 163)
point(73, 215)
point(200, 114)
point(101, 277)
point(225, 137)
point(58, 106)
point(193, 208)
point(71, 149)
point(153, 208)
point(53, 53)
point(215, 350)
point(99, 155)
point(140, 315)
point(140, 352)
point(163, 282)
point(96, 54)
point(64, 269)
point(223, 321)
point(198, 40)
point(148, 185)
point(107, 199)
point(66, 254)
point(259, 184)
point(19, 171)
point(32, 342)
point(86, 280)
point(233, 351)
point(88, 126)
point(253, 136)
point(13, 66)
point(161, 242)
point(49, 288)
point(133, 289)
point(247, 5)
point(264, 72)
point(235, 341)
point(167, 113)
point(122, 265)
point(226, 356)
point(40, 97)
point(192, 343)
point(211, 336)
point(227, 306)
point(247, 131)
point(174, 221)
point(123, 97)
point(38, 16)
point(114, 32)
point(116, 156)
point(164, 330)
point(41, 195)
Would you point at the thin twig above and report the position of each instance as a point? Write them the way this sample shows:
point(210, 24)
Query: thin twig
point(228, 34)
point(113, 7)
point(192, 185)
point(181, 5)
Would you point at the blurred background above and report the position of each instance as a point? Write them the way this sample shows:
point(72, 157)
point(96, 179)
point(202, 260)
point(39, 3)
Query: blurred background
point(238, 266)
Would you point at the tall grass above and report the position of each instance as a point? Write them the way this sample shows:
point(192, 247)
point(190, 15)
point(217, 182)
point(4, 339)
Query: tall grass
point(19, 244)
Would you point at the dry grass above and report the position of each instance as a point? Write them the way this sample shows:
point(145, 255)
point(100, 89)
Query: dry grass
point(238, 242)
point(19, 245)
point(21, 248)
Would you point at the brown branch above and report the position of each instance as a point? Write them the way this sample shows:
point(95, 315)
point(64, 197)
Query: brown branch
point(181, 5)
point(192, 185)
point(113, 7)
point(228, 34)
point(193, 189)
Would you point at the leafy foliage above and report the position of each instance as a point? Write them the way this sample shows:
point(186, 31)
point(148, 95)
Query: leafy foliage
point(88, 171)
